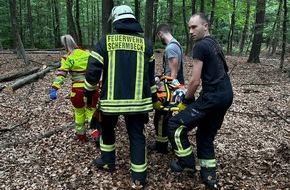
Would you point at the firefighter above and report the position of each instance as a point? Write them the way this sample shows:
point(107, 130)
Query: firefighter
point(207, 111)
point(75, 62)
point(172, 67)
point(126, 62)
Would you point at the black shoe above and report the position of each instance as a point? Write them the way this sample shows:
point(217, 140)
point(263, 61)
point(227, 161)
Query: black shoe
point(101, 165)
point(176, 167)
point(154, 147)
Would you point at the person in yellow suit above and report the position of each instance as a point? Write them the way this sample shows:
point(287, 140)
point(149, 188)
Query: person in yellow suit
point(75, 63)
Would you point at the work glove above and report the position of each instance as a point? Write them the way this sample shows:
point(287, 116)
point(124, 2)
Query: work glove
point(184, 103)
point(52, 94)
point(89, 96)
point(157, 105)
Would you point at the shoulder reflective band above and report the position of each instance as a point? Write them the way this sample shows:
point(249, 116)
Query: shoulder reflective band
point(125, 42)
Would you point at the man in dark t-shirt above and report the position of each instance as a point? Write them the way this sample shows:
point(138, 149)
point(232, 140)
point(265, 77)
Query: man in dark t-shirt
point(207, 111)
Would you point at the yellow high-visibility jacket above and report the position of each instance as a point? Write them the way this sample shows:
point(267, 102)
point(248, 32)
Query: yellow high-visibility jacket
point(74, 63)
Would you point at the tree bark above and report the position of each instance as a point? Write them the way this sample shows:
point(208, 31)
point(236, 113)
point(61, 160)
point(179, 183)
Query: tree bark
point(185, 26)
point(149, 19)
point(56, 23)
point(79, 31)
point(212, 13)
point(258, 32)
point(246, 26)
point(30, 26)
point(155, 20)
point(19, 74)
point(137, 9)
point(107, 6)
point(284, 36)
point(70, 20)
point(31, 78)
point(231, 32)
point(170, 18)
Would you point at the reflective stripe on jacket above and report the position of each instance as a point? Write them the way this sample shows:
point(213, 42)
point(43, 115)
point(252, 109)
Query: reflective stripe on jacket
point(128, 65)
point(75, 64)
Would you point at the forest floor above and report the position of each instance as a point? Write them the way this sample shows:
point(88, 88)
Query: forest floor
point(38, 152)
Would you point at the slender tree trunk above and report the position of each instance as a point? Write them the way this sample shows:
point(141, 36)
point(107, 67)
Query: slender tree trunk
point(79, 31)
point(258, 32)
point(231, 32)
point(149, 19)
point(202, 6)
point(20, 48)
point(284, 36)
point(274, 38)
point(97, 12)
point(193, 11)
point(155, 20)
point(185, 26)
point(30, 21)
point(137, 9)
point(70, 20)
point(107, 6)
point(56, 21)
point(212, 13)
point(246, 26)
point(170, 18)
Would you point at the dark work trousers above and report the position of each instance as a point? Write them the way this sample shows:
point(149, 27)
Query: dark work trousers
point(206, 113)
point(135, 128)
point(161, 119)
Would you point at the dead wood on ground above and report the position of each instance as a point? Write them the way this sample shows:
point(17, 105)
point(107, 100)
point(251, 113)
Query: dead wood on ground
point(44, 135)
point(14, 126)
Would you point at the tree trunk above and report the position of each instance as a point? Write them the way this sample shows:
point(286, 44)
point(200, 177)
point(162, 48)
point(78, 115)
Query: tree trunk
point(56, 24)
point(185, 26)
point(212, 13)
point(137, 9)
point(79, 31)
point(19, 74)
point(274, 38)
point(149, 19)
point(20, 48)
point(258, 32)
point(245, 29)
point(31, 78)
point(30, 21)
point(284, 36)
point(231, 32)
point(193, 11)
point(155, 20)
point(70, 20)
point(202, 6)
point(107, 6)
point(170, 18)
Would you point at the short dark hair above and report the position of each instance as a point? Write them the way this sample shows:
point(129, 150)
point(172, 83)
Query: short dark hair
point(202, 17)
point(163, 28)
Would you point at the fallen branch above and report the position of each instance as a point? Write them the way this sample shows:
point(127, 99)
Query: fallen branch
point(19, 74)
point(259, 84)
point(277, 114)
point(14, 126)
point(31, 78)
point(45, 135)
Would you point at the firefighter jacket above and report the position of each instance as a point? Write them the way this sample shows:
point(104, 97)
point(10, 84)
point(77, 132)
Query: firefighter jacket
point(74, 63)
point(127, 63)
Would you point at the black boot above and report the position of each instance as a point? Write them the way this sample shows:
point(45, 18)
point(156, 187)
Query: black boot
point(101, 165)
point(177, 167)
point(159, 147)
point(208, 177)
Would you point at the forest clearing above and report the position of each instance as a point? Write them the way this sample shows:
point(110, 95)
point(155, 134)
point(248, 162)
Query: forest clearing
point(38, 152)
